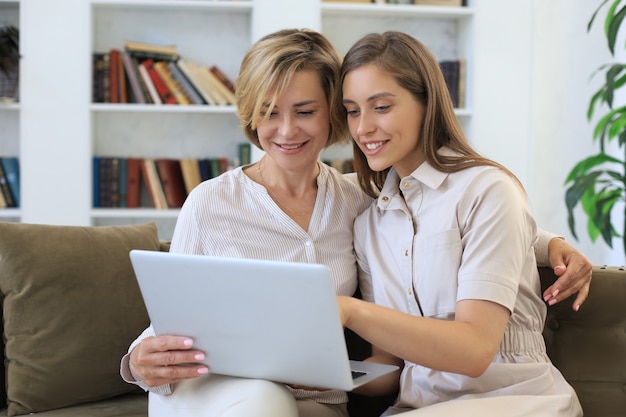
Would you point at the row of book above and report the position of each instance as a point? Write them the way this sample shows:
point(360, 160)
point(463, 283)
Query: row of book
point(150, 182)
point(161, 183)
point(156, 74)
point(9, 182)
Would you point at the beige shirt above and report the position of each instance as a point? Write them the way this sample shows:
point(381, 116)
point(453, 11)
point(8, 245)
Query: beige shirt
point(432, 239)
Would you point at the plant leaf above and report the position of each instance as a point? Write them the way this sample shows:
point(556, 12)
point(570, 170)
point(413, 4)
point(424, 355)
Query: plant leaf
point(614, 25)
point(582, 167)
point(593, 16)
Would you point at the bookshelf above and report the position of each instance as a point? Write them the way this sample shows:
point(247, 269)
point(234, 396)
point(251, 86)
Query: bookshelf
point(62, 130)
point(9, 110)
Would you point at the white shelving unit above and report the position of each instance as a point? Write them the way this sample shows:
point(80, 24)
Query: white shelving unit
point(9, 111)
point(61, 130)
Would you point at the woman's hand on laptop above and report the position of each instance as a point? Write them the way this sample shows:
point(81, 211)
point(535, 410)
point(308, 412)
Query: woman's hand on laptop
point(164, 360)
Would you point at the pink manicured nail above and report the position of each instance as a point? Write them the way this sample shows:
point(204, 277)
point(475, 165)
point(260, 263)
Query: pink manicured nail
point(555, 293)
point(199, 357)
point(203, 371)
point(188, 342)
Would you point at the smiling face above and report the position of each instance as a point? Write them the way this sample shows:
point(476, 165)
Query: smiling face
point(385, 120)
point(298, 126)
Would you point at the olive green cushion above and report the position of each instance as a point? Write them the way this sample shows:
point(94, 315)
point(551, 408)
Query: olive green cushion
point(71, 308)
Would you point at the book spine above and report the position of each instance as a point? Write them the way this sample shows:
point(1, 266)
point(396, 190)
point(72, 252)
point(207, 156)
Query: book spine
point(114, 82)
point(223, 78)
point(172, 181)
point(245, 150)
point(191, 173)
point(11, 167)
point(133, 78)
point(133, 182)
point(151, 178)
point(98, 63)
point(180, 78)
point(4, 189)
point(95, 182)
point(228, 96)
point(154, 95)
point(166, 95)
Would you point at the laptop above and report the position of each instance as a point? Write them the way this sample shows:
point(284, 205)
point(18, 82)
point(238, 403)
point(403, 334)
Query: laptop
point(260, 319)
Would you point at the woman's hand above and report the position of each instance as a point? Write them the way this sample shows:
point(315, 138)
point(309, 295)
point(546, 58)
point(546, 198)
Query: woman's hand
point(164, 360)
point(574, 272)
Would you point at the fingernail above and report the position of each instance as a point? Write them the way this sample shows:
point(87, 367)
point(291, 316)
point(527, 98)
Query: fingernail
point(203, 371)
point(188, 342)
point(555, 293)
point(199, 357)
point(576, 307)
point(552, 302)
point(547, 297)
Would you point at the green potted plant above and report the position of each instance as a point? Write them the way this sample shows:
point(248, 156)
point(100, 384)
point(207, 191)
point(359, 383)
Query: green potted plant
point(598, 182)
point(9, 61)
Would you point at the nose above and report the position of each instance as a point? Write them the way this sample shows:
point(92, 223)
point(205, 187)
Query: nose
point(364, 126)
point(288, 126)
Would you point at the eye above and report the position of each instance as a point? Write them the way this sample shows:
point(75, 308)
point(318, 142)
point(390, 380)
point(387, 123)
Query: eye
point(352, 112)
point(305, 113)
point(382, 108)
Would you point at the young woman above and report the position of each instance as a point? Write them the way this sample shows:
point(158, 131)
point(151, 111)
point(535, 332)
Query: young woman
point(288, 206)
point(445, 252)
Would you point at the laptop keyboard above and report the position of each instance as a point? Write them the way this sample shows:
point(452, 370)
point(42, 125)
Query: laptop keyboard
point(356, 374)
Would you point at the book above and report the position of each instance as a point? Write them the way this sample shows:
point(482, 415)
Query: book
point(133, 182)
point(164, 71)
point(461, 83)
point(122, 186)
point(95, 181)
point(204, 165)
point(223, 78)
point(165, 94)
point(106, 79)
point(450, 71)
point(122, 80)
point(108, 186)
point(142, 83)
point(133, 78)
point(191, 173)
point(4, 189)
point(172, 181)
point(152, 92)
point(221, 90)
point(11, 166)
point(151, 177)
point(184, 83)
point(189, 70)
point(245, 150)
point(3, 203)
point(114, 82)
point(153, 51)
point(98, 83)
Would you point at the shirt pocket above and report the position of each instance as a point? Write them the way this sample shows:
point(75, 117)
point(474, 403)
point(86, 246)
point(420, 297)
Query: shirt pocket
point(436, 263)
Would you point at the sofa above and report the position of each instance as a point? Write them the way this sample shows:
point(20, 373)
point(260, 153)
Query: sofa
point(71, 306)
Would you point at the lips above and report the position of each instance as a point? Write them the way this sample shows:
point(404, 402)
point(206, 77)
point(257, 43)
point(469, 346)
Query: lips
point(291, 147)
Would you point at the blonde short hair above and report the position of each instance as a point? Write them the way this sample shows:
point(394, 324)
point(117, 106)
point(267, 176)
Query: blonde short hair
point(269, 66)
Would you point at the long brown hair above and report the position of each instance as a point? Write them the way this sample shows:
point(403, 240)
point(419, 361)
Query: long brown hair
point(268, 67)
point(416, 69)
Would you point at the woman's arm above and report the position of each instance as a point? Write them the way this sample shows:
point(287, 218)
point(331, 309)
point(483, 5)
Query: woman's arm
point(465, 346)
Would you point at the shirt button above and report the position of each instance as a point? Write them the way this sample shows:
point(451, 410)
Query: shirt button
point(405, 184)
point(308, 243)
point(410, 291)
point(385, 199)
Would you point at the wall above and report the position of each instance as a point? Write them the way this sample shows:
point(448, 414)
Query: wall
point(534, 61)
